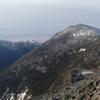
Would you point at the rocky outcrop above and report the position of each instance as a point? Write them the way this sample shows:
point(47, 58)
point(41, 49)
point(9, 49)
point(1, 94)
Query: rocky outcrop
point(88, 88)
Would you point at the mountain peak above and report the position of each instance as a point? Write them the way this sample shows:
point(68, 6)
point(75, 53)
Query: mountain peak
point(49, 69)
point(79, 30)
point(82, 26)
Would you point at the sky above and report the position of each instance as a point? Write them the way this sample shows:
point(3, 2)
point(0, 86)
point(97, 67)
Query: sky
point(40, 19)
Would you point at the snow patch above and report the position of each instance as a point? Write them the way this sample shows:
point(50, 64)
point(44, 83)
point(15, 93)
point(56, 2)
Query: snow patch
point(74, 35)
point(87, 72)
point(29, 97)
point(82, 49)
point(82, 33)
point(22, 95)
point(12, 97)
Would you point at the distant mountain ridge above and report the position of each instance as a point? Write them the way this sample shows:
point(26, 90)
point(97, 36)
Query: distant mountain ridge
point(12, 51)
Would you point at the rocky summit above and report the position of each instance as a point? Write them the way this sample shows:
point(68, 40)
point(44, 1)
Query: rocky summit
point(66, 67)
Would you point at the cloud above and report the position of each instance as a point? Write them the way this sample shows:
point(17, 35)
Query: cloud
point(68, 3)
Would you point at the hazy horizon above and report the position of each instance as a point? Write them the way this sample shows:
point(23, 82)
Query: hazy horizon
point(40, 19)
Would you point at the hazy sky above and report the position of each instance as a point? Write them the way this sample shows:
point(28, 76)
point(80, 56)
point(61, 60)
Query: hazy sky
point(40, 19)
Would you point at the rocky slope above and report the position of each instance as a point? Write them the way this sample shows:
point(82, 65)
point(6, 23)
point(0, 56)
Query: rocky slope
point(63, 68)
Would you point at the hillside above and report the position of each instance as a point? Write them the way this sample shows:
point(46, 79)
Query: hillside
point(62, 66)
